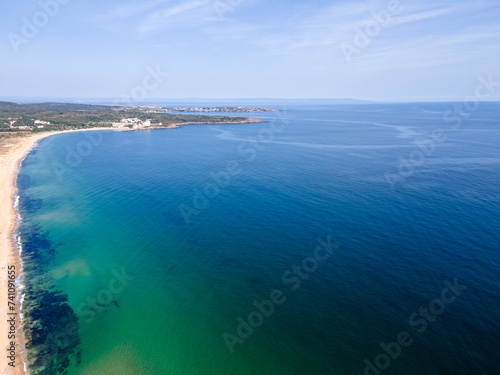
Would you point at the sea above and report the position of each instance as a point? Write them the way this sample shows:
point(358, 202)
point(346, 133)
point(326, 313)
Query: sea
point(325, 240)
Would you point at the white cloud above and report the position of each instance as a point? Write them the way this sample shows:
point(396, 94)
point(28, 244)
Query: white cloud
point(129, 10)
point(155, 15)
point(410, 37)
point(464, 47)
point(179, 15)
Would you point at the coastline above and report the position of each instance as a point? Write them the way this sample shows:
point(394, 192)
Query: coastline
point(13, 152)
point(16, 149)
point(180, 124)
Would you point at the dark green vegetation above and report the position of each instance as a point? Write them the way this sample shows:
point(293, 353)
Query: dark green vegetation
point(22, 117)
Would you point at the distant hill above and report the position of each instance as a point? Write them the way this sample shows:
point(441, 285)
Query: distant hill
point(55, 107)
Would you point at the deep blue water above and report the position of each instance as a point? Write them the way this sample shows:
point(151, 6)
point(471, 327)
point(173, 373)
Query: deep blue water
point(207, 219)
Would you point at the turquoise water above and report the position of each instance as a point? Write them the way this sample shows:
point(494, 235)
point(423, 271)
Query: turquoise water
point(137, 263)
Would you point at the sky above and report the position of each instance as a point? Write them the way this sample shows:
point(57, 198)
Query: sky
point(394, 50)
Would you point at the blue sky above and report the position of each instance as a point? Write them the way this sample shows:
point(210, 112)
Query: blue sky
point(424, 50)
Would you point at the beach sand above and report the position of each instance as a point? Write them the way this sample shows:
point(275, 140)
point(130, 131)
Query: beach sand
point(13, 149)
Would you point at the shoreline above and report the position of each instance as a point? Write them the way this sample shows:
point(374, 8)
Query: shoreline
point(10, 162)
point(17, 148)
point(180, 124)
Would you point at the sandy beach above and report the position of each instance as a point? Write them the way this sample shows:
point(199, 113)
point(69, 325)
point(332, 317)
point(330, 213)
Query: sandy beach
point(12, 152)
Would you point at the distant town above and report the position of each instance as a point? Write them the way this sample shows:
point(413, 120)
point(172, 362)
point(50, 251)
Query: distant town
point(219, 109)
point(158, 109)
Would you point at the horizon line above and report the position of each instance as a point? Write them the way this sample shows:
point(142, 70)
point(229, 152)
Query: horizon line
point(153, 101)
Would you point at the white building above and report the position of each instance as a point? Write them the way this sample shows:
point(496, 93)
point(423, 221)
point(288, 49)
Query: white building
point(40, 122)
point(135, 122)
